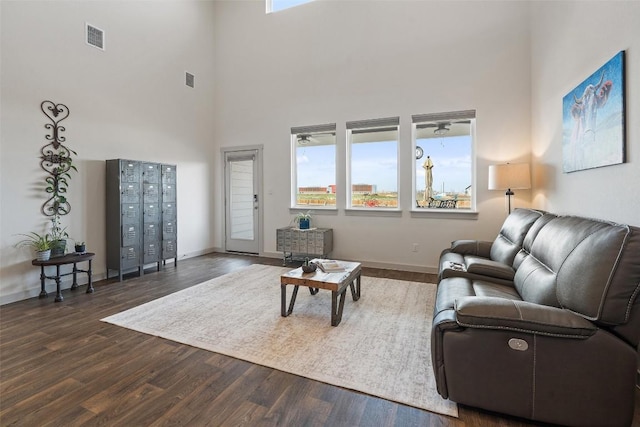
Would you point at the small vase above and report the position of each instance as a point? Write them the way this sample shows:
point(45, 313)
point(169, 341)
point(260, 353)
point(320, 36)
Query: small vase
point(304, 224)
point(43, 255)
point(80, 249)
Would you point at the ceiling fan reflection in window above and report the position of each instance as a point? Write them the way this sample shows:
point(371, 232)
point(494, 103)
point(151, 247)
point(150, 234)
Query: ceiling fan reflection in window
point(443, 128)
point(309, 139)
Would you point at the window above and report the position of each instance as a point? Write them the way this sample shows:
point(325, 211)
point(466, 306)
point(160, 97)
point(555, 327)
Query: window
point(314, 166)
point(372, 163)
point(277, 5)
point(444, 167)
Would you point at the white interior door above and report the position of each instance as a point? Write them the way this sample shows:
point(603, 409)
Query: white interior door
point(242, 201)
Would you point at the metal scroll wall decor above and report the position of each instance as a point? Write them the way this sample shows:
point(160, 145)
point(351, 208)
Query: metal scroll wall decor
point(56, 161)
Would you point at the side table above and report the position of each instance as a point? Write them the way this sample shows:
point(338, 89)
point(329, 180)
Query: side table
point(71, 258)
point(312, 242)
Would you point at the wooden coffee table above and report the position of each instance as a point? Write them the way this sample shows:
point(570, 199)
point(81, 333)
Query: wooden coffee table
point(336, 282)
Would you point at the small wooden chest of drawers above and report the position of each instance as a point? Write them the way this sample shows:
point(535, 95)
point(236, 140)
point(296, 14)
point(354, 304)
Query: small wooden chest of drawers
point(316, 242)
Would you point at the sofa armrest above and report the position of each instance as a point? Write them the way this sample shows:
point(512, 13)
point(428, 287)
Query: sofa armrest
point(472, 247)
point(521, 316)
point(487, 267)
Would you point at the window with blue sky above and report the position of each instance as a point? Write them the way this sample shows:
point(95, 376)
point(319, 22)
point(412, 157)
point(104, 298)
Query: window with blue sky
point(444, 160)
point(442, 148)
point(277, 5)
point(314, 166)
point(373, 163)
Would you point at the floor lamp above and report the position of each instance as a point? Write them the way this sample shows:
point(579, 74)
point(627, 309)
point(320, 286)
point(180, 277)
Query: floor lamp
point(509, 176)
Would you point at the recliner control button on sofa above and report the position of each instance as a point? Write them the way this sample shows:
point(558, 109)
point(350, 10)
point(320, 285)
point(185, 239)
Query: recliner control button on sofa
point(518, 344)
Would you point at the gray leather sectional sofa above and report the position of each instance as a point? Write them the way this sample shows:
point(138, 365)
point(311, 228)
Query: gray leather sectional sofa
point(543, 322)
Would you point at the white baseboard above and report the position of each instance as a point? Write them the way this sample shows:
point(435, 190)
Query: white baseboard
point(34, 291)
point(373, 264)
point(50, 287)
point(201, 252)
point(66, 282)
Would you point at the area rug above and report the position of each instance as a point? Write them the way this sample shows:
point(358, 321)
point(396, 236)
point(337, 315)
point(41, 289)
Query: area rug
point(381, 347)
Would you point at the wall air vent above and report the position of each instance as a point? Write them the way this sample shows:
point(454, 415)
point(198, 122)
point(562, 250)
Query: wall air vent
point(94, 36)
point(190, 79)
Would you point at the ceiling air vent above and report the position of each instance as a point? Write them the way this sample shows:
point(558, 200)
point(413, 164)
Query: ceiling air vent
point(95, 36)
point(189, 79)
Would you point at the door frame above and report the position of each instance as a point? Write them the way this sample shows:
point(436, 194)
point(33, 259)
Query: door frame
point(259, 191)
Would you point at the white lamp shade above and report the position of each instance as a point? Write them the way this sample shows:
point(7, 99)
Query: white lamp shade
point(509, 176)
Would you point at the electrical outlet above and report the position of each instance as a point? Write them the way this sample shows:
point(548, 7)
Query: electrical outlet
point(415, 247)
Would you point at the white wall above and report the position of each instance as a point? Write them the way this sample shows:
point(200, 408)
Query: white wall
point(129, 101)
point(335, 61)
point(570, 41)
point(328, 61)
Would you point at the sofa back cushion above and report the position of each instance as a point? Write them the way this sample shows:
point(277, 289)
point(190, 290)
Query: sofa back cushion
point(587, 266)
point(536, 282)
point(512, 234)
point(530, 237)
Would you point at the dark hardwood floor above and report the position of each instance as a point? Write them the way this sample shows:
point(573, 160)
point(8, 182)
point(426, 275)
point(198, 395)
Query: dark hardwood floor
point(61, 366)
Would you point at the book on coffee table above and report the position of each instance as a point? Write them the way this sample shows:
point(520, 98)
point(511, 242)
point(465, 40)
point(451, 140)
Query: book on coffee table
point(329, 266)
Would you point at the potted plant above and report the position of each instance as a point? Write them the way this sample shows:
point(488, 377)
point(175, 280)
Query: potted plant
point(41, 244)
point(58, 237)
point(80, 247)
point(303, 220)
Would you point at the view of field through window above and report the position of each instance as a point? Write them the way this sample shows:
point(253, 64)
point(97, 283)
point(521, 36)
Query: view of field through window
point(443, 168)
point(316, 173)
point(373, 167)
point(449, 159)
